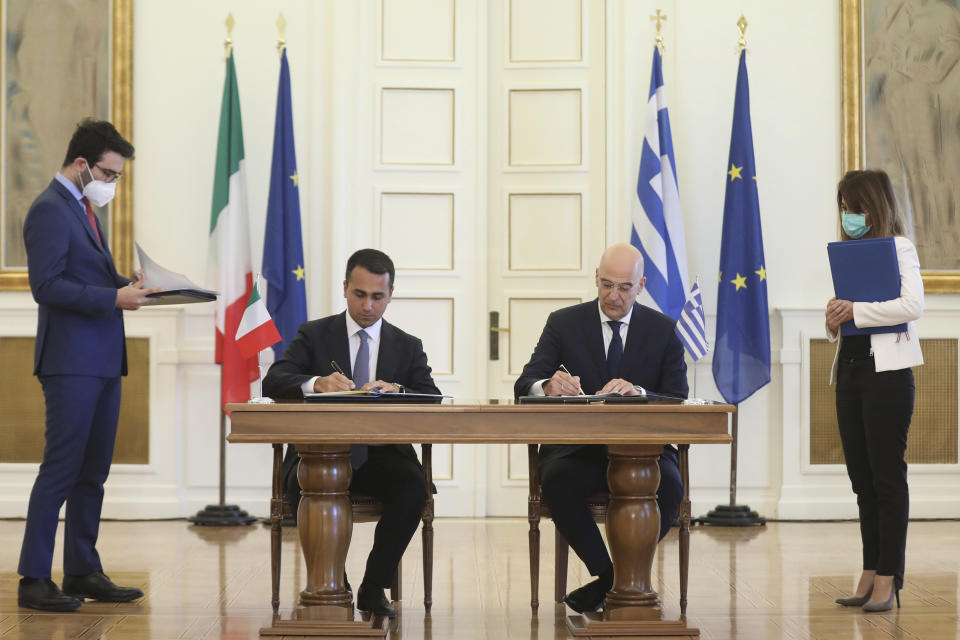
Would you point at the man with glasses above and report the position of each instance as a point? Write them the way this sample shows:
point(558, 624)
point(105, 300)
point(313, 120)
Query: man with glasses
point(79, 359)
point(611, 344)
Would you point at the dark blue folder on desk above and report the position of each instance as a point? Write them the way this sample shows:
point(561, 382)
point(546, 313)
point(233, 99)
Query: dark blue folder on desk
point(865, 271)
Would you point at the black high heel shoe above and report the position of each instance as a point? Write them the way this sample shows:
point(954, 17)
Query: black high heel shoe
point(856, 601)
point(884, 606)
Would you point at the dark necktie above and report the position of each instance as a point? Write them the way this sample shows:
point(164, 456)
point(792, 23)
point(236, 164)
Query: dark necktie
point(92, 219)
point(361, 376)
point(615, 351)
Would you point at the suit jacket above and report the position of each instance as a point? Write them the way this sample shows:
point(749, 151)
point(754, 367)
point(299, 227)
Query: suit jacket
point(652, 356)
point(401, 360)
point(73, 279)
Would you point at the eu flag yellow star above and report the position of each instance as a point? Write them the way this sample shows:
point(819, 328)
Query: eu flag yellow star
point(720, 277)
point(762, 273)
point(740, 281)
point(299, 272)
point(296, 179)
point(734, 172)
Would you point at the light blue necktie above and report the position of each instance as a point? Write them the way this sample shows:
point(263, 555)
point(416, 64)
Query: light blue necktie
point(361, 376)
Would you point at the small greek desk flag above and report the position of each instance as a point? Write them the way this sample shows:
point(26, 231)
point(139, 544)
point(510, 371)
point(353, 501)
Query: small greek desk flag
point(691, 326)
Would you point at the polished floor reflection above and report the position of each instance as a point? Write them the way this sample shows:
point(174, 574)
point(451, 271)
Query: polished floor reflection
point(777, 582)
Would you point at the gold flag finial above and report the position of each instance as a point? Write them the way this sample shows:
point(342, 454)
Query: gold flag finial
point(659, 18)
point(742, 25)
point(228, 43)
point(282, 30)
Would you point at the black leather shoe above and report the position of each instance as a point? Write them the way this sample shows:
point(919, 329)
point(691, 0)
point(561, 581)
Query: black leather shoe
point(43, 594)
point(372, 599)
point(97, 586)
point(589, 597)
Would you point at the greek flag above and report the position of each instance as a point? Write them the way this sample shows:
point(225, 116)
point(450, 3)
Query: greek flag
point(657, 222)
point(691, 327)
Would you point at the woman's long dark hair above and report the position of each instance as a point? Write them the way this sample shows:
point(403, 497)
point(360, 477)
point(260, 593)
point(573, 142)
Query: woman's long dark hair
point(870, 191)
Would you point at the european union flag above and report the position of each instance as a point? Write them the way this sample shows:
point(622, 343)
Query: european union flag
point(741, 358)
point(282, 241)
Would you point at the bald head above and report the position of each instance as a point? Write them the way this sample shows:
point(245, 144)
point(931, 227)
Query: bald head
point(619, 279)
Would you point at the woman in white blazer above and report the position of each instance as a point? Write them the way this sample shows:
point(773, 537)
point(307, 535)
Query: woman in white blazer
point(875, 390)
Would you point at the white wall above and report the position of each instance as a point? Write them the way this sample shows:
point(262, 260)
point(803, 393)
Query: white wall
point(794, 65)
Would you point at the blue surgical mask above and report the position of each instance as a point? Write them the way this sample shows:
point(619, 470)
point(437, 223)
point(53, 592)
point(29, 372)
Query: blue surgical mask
point(854, 224)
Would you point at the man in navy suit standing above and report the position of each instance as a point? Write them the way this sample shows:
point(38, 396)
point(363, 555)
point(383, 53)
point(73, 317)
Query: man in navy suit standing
point(610, 344)
point(358, 349)
point(80, 357)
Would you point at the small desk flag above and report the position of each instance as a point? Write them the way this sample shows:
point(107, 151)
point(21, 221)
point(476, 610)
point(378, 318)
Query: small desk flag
point(657, 221)
point(741, 357)
point(256, 331)
point(692, 327)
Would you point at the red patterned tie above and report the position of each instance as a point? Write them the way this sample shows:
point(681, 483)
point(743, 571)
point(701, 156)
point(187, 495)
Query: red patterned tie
point(92, 219)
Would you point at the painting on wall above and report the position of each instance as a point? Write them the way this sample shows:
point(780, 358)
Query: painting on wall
point(901, 113)
point(61, 62)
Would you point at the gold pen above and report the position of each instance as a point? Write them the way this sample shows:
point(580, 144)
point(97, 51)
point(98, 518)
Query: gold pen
point(567, 371)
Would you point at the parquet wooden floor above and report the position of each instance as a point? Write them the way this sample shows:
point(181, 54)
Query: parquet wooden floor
point(775, 582)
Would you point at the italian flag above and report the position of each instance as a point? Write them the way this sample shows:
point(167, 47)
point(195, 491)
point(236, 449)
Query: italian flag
point(256, 331)
point(229, 261)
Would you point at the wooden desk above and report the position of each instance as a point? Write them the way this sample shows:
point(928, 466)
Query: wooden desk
point(635, 435)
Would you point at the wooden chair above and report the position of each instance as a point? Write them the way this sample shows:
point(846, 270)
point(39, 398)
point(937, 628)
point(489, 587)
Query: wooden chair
point(365, 509)
point(598, 507)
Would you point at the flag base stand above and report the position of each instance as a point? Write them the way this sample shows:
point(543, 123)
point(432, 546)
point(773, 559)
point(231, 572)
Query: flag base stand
point(221, 515)
point(731, 515)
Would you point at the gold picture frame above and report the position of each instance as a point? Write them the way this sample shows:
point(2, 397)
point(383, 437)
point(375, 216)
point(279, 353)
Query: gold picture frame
point(852, 152)
point(119, 16)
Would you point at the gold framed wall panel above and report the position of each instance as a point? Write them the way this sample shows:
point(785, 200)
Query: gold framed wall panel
point(22, 420)
point(853, 77)
point(933, 430)
point(120, 223)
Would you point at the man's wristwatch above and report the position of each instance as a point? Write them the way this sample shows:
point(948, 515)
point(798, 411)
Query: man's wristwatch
point(400, 387)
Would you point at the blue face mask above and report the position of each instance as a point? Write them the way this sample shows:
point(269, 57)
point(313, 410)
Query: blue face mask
point(854, 224)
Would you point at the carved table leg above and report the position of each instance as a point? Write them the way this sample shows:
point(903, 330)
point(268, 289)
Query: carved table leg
point(325, 525)
point(633, 524)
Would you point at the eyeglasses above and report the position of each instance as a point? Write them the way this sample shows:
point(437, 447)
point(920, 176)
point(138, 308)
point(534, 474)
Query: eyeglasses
point(622, 287)
point(112, 176)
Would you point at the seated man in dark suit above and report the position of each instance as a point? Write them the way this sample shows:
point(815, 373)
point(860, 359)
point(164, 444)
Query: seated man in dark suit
point(372, 353)
point(611, 344)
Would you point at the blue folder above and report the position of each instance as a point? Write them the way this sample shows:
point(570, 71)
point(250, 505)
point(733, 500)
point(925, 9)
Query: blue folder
point(865, 271)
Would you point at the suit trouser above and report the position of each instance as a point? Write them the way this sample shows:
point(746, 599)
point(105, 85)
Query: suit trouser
point(566, 483)
point(396, 480)
point(81, 426)
point(873, 412)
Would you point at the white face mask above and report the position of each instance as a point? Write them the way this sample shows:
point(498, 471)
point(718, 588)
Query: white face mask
point(99, 192)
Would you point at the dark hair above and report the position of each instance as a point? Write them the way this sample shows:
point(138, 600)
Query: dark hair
point(92, 139)
point(373, 261)
point(870, 191)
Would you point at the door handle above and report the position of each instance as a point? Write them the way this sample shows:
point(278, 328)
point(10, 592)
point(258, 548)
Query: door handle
point(495, 331)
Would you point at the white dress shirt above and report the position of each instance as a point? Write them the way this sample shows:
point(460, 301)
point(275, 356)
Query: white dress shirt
point(537, 388)
point(353, 338)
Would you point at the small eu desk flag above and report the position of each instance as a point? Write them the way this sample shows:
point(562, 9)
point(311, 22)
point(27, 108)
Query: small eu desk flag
point(282, 241)
point(741, 358)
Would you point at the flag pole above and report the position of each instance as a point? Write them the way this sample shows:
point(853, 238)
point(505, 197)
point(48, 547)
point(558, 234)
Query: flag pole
point(734, 515)
point(222, 514)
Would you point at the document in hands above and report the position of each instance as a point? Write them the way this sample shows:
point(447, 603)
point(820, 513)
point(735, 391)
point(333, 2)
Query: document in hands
point(177, 288)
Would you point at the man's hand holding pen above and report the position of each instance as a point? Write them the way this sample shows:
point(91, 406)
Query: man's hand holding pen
point(562, 384)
